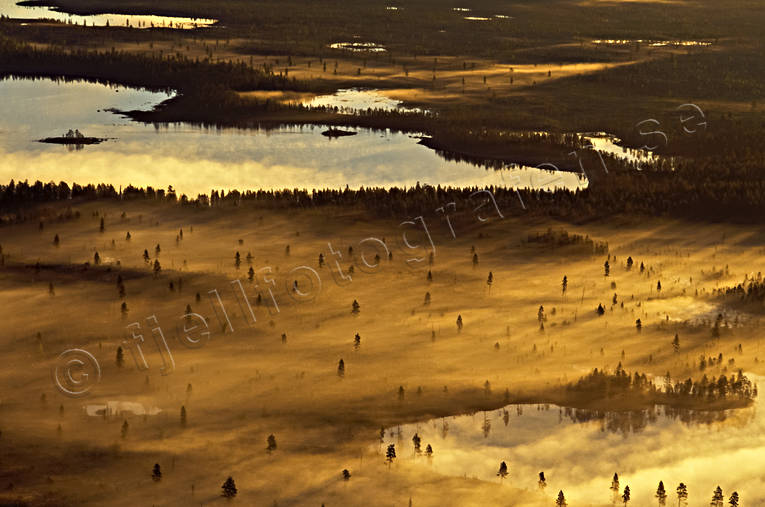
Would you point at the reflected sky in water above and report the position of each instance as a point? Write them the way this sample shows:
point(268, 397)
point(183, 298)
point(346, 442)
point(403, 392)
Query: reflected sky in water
point(196, 160)
point(353, 100)
point(701, 449)
point(10, 9)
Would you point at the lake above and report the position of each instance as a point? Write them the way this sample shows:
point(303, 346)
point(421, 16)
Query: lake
point(12, 10)
point(196, 160)
point(580, 450)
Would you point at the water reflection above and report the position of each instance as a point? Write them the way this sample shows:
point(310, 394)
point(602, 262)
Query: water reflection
point(11, 9)
point(195, 160)
point(359, 47)
point(353, 100)
point(579, 450)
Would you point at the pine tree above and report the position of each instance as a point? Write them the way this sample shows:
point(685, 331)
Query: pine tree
point(120, 359)
point(321, 260)
point(357, 341)
point(430, 276)
point(629, 263)
point(658, 286)
point(676, 343)
point(564, 284)
point(561, 500)
point(101, 227)
point(502, 473)
point(429, 451)
point(459, 323)
point(355, 307)
point(639, 325)
point(542, 482)
point(157, 268)
point(490, 280)
point(626, 495)
point(733, 501)
point(475, 259)
point(661, 494)
point(601, 310)
point(124, 309)
point(341, 369)
point(146, 256)
point(717, 498)
point(606, 269)
point(271, 443)
point(390, 454)
point(237, 260)
point(229, 488)
point(346, 474)
point(682, 494)
point(183, 414)
point(416, 440)
point(96, 259)
point(427, 299)
point(615, 485)
point(127, 236)
point(51, 289)
point(124, 429)
point(56, 240)
point(156, 473)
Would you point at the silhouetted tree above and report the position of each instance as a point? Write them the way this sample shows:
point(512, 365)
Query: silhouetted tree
point(658, 286)
point(615, 485)
point(682, 494)
point(96, 259)
point(156, 473)
point(561, 500)
point(51, 289)
point(564, 284)
point(346, 475)
point(502, 472)
point(127, 236)
point(626, 495)
point(183, 414)
point(733, 500)
point(321, 260)
point(355, 307)
point(429, 451)
point(124, 429)
point(606, 269)
point(490, 280)
point(430, 276)
point(639, 325)
point(157, 268)
point(124, 309)
point(120, 359)
point(229, 488)
point(629, 263)
point(427, 299)
point(542, 482)
point(601, 310)
point(416, 442)
point(271, 443)
point(661, 494)
point(390, 454)
point(237, 260)
point(475, 259)
point(101, 227)
point(56, 240)
point(717, 498)
point(357, 341)
point(146, 256)
point(341, 369)
point(459, 323)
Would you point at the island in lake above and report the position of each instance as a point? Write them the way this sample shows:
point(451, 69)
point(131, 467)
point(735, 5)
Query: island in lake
point(73, 137)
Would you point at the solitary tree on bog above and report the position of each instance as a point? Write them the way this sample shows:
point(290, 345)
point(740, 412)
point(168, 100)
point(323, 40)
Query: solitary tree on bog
point(561, 500)
point(502, 472)
point(661, 494)
point(156, 473)
point(229, 488)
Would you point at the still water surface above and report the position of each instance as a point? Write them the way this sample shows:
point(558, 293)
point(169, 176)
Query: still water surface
point(579, 451)
point(196, 160)
point(12, 10)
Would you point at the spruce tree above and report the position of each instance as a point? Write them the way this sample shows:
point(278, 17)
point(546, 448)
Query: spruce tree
point(156, 473)
point(229, 488)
